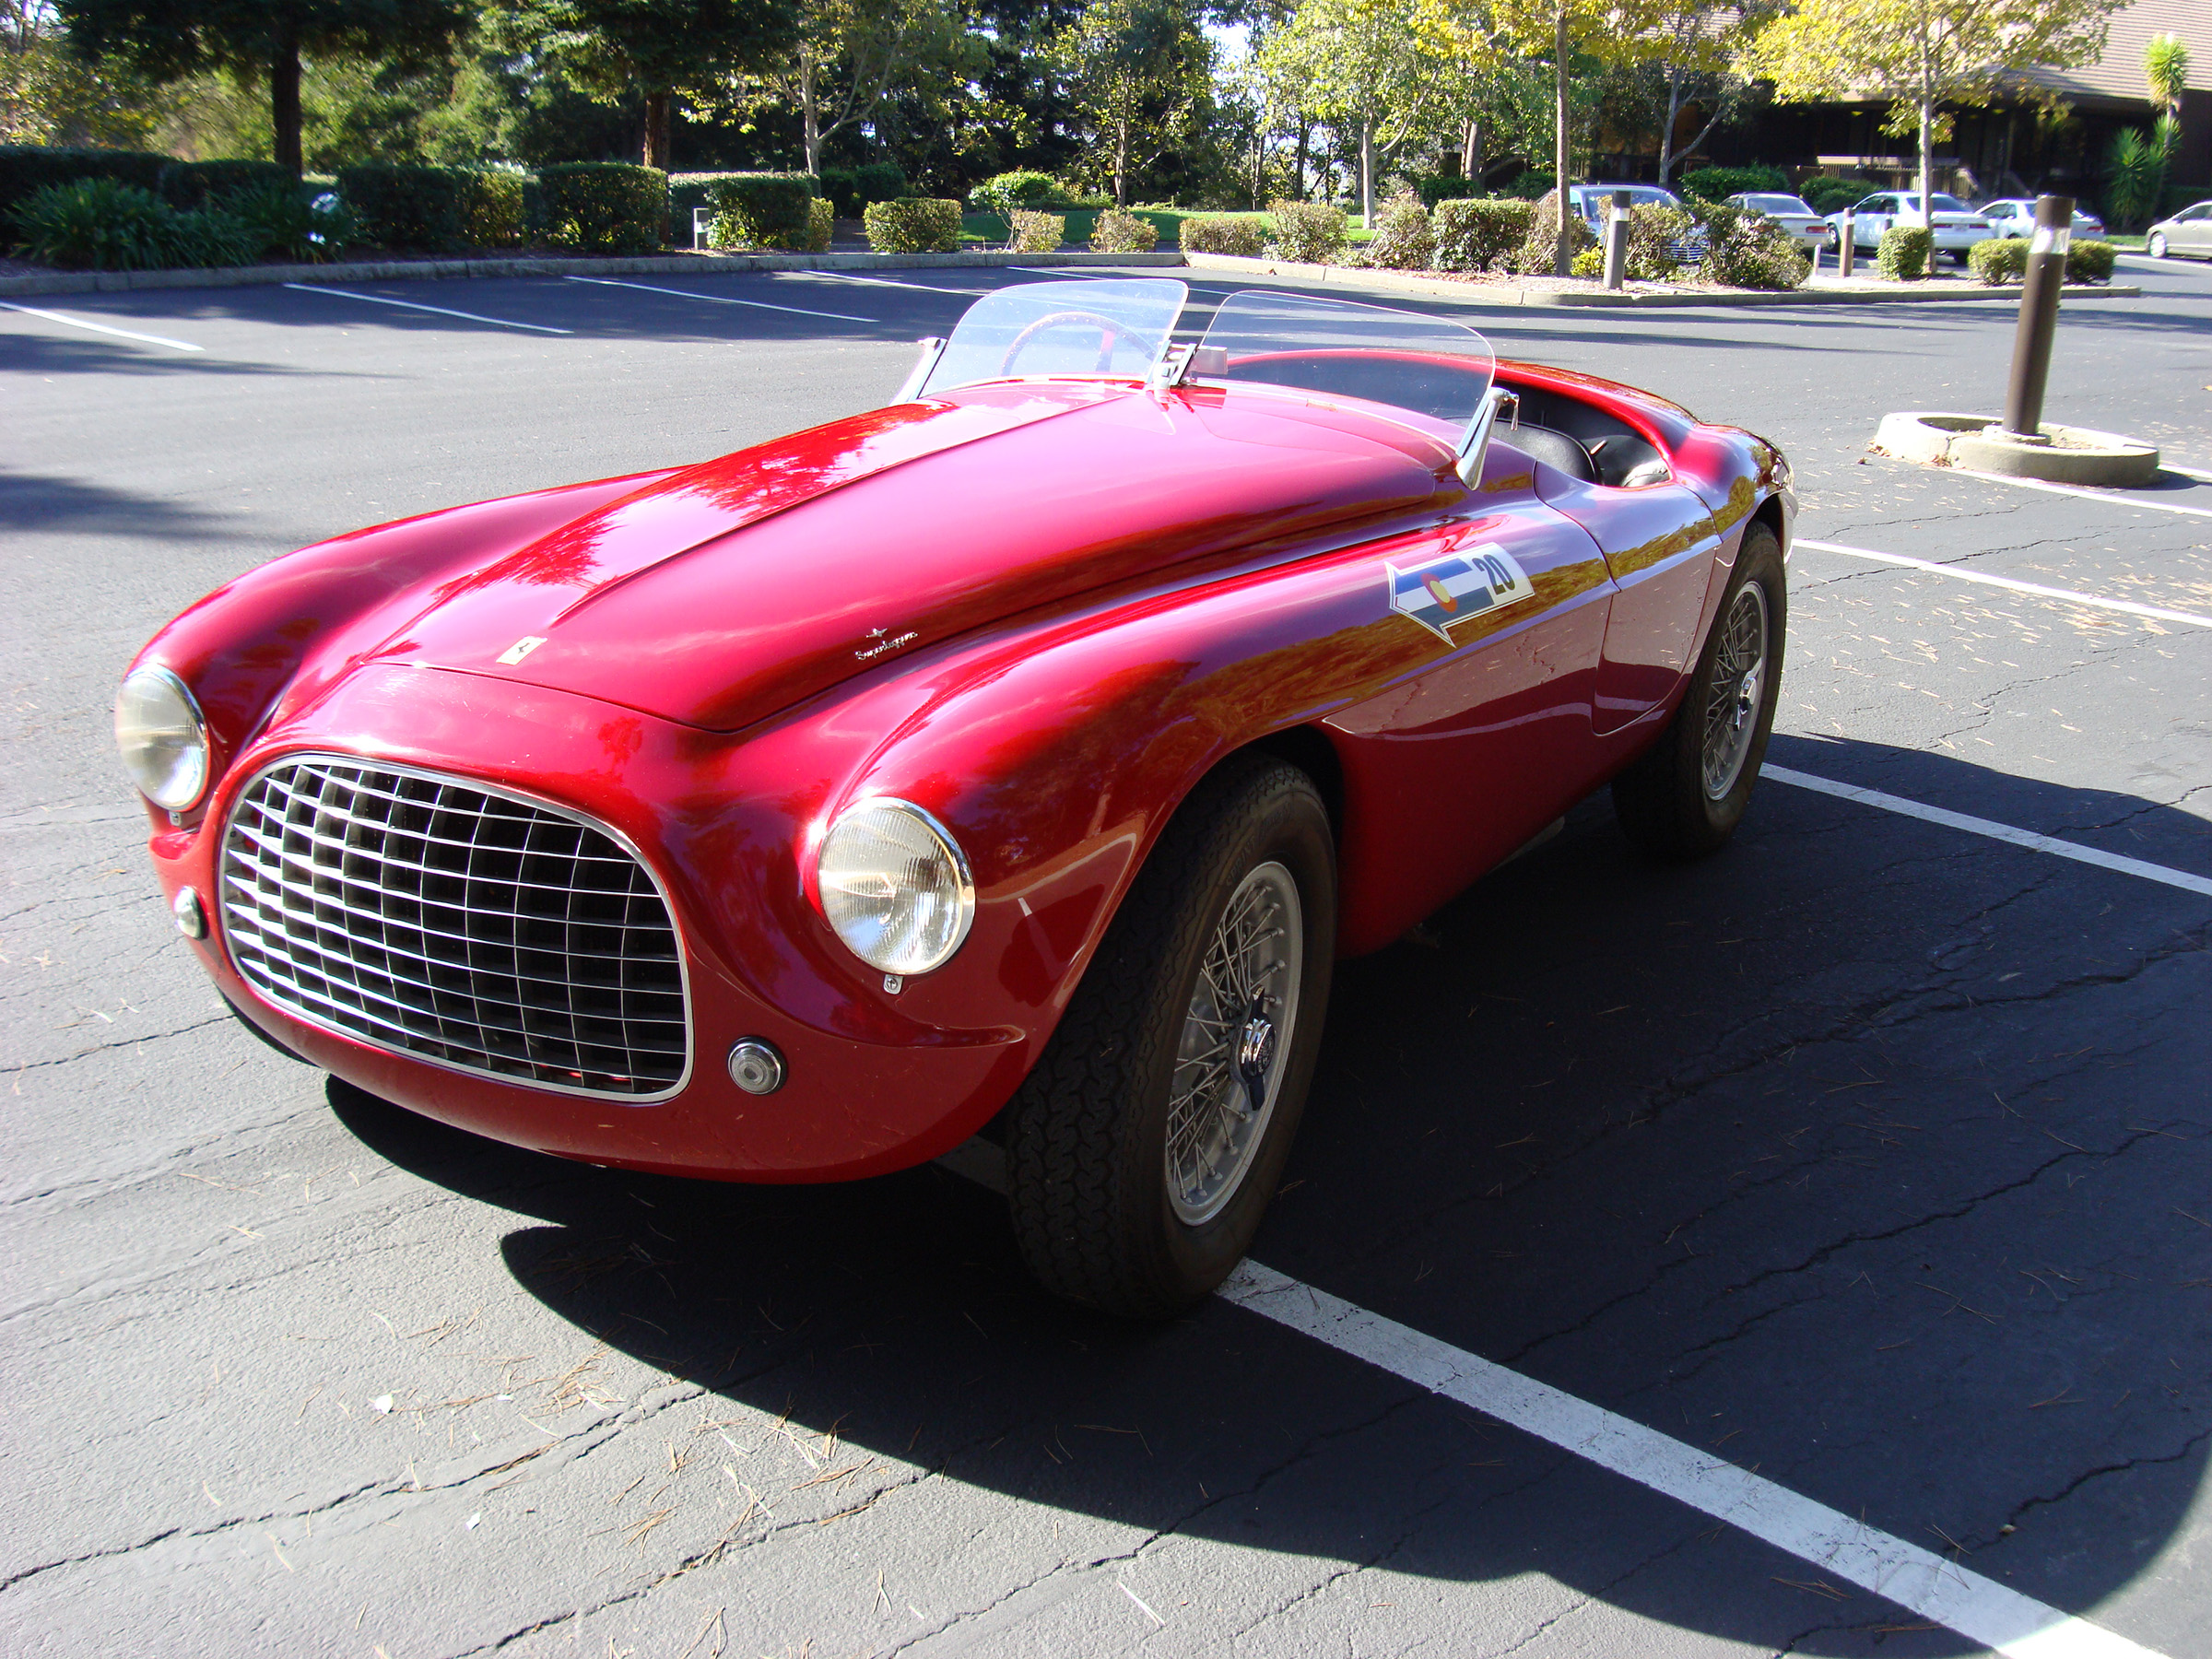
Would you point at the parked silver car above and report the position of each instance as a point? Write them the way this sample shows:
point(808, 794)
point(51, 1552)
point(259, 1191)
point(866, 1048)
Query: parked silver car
point(2014, 216)
point(1791, 214)
point(2188, 234)
point(1593, 200)
point(1957, 226)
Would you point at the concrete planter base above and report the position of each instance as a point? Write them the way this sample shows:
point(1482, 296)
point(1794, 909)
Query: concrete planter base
point(2057, 456)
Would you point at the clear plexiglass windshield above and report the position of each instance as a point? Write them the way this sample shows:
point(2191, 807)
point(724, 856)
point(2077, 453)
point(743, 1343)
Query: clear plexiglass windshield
point(1128, 328)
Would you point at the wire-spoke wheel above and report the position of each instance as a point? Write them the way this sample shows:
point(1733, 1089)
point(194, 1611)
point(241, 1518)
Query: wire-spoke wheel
point(1683, 797)
point(1143, 1148)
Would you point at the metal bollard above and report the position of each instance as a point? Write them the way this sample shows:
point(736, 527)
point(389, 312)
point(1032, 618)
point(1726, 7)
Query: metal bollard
point(1847, 245)
point(2038, 314)
point(1616, 240)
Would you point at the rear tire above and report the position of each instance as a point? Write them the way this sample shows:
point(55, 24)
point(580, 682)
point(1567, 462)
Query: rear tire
point(1684, 797)
point(1144, 1147)
point(2157, 247)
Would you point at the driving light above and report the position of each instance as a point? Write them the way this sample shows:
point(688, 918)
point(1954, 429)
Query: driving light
point(163, 738)
point(895, 887)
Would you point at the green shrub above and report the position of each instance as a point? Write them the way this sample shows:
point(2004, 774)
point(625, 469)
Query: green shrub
point(849, 190)
point(493, 204)
point(1825, 196)
point(406, 205)
point(103, 224)
point(1905, 252)
point(1535, 255)
point(1404, 240)
point(288, 224)
point(1035, 233)
point(1749, 250)
point(1311, 232)
point(760, 210)
point(200, 183)
point(1223, 233)
point(1590, 261)
point(24, 168)
point(2089, 261)
point(1660, 241)
point(1999, 259)
point(1718, 184)
point(913, 225)
point(1530, 185)
point(1008, 191)
point(605, 207)
point(1480, 235)
point(1119, 232)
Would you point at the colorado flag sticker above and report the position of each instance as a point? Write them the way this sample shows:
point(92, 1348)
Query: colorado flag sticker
point(1457, 586)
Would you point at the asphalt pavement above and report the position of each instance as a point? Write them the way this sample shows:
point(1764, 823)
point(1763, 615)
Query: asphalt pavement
point(1872, 1157)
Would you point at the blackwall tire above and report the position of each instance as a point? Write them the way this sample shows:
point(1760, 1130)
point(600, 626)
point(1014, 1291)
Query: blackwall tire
point(1684, 797)
point(1107, 1183)
point(2157, 247)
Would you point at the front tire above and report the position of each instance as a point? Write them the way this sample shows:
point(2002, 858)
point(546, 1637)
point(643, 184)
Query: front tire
point(2157, 247)
point(1143, 1149)
point(1684, 797)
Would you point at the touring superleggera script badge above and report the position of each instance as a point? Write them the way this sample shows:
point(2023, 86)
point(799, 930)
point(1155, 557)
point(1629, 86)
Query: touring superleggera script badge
point(1456, 587)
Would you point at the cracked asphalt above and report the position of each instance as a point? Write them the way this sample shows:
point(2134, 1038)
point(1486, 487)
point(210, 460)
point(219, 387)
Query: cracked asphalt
point(1874, 1156)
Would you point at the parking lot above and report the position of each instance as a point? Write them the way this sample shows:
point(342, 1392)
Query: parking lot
point(1871, 1158)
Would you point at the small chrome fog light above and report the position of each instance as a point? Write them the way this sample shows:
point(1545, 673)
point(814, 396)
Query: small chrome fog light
point(192, 921)
point(756, 1067)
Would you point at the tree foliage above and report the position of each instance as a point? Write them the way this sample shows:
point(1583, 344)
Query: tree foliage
point(1140, 75)
point(1365, 68)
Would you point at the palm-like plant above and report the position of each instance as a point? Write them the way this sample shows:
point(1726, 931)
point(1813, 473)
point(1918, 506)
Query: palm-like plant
point(2166, 69)
point(2135, 173)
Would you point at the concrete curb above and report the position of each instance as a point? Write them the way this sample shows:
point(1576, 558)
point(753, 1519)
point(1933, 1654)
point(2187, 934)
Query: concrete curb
point(2065, 455)
point(663, 264)
point(1476, 293)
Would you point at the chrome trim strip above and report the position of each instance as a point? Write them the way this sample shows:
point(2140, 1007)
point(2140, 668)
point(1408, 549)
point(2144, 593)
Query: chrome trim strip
point(222, 918)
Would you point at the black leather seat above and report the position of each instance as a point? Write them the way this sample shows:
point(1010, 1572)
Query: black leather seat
point(1554, 448)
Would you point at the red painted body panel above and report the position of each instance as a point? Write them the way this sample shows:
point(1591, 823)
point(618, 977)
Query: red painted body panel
point(1091, 594)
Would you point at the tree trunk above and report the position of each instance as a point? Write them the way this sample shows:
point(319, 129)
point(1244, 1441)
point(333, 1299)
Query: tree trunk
point(810, 112)
point(1666, 131)
point(1121, 164)
point(1928, 165)
point(1367, 173)
point(1298, 184)
point(284, 101)
point(1562, 254)
point(1470, 150)
point(656, 130)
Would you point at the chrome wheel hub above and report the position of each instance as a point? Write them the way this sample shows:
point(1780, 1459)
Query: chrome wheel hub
point(1236, 1034)
point(1733, 691)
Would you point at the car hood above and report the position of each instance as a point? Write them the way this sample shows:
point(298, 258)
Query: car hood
point(724, 592)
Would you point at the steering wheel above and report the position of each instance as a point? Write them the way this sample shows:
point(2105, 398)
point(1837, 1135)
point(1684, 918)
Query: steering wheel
point(1109, 333)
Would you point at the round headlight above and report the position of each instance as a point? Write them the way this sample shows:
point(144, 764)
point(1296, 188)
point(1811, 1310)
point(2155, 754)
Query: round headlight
point(163, 738)
point(895, 887)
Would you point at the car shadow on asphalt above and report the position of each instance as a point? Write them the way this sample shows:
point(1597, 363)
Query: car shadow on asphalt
point(1859, 1154)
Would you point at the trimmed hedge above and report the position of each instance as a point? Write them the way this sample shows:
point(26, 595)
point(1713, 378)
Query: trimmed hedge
point(1031, 232)
point(1480, 235)
point(196, 183)
point(1718, 184)
point(851, 189)
point(1224, 233)
point(1999, 259)
point(1310, 231)
point(759, 210)
point(913, 225)
point(2090, 261)
point(494, 207)
point(406, 205)
point(1825, 196)
point(1119, 232)
point(28, 167)
point(1660, 241)
point(1749, 250)
point(1008, 191)
point(605, 207)
point(1403, 239)
point(1534, 256)
point(1905, 252)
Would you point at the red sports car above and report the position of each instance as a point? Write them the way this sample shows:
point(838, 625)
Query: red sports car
point(1018, 757)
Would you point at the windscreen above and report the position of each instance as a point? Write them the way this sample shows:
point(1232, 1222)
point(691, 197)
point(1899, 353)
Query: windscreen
point(1114, 329)
point(1409, 361)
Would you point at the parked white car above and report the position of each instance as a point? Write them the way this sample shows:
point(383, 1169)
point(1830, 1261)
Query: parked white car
point(1791, 214)
point(1957, 226)
point(2014, 216)
point(2188, 233)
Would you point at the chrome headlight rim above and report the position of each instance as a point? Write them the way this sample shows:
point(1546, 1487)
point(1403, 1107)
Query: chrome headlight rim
point(948, 845)
point(175, 684)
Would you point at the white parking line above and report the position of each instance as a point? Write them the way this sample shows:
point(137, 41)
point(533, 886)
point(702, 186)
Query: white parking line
point(1978, 1608)
point(798, 310)
point(2113, 496)
point(928, 287)
point(2072, 597)
point(316, 288)
point(1989, 827)
point(32, 310)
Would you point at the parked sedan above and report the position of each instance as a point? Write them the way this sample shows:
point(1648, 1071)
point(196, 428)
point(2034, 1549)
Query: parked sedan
point(2014, 216)
point(2188, 233)
point(1594, 201)
point(1793, 214)
point(1957, 226)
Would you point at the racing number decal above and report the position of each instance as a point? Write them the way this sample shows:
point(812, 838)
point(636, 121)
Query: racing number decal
point(1456, 587)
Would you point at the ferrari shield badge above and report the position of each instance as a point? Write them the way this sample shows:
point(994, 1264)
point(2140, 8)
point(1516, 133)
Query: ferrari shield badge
point(1457, 587)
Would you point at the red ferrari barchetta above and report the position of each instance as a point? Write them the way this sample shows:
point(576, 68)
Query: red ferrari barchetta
point(1020, 755)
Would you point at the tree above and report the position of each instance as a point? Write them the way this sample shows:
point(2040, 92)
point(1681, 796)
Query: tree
point(2166, 71)
point(1363, 70)
point(1923, 54)
point(657, 47)
point(1136, 72)
point(1696, 44)
point(50, 95)
point(167, 40)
